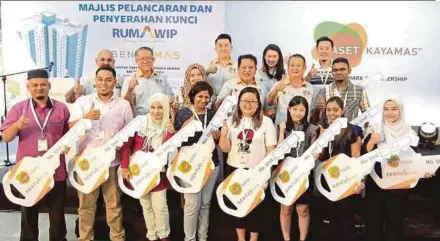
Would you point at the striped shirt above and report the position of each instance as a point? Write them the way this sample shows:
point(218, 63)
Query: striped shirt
point(306, 90)
point(354, 98)
point(324, 75)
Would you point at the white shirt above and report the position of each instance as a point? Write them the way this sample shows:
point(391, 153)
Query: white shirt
point(248, 154)
point(236, 85)
point(115, 114)
point(145, 89)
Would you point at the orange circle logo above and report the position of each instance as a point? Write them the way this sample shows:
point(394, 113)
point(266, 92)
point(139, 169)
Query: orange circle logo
point(334, 172)
point(284, 176)
point(135, 170)
point(235, 188)
point(23, 177)
point(185, 167)
point(350, 40)
point(84, 165)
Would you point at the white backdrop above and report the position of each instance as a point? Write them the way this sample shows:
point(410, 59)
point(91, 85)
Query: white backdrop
point(412, 25)
point(397, 37)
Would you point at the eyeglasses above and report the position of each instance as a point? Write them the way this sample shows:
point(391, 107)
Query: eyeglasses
point(249, 102)
point(147, 59)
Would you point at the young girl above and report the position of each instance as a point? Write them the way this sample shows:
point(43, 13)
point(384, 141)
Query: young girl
point(248, 137)
point(154, 204)
point(338, 217)
point(297, 121)
point(386, 207)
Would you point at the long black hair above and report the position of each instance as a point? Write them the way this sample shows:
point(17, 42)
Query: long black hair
point(345, 134)
point(280, 65)
point(297, 100)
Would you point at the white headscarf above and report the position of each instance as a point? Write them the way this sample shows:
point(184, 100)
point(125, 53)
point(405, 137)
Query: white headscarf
point(396, 130)
point(157, 129)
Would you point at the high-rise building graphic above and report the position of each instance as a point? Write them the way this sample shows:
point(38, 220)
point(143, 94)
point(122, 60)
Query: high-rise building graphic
point(49, 38)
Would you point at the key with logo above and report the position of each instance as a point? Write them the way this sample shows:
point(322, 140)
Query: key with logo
point(32, 177)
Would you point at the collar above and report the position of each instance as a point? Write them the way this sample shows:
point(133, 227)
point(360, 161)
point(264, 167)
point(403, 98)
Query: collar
point(96, 97)
point(349, 85)
point(256, 81)
point(230, 61)
point(139, 74)
point(329, 67)
point(287, 81)
point(49, 103)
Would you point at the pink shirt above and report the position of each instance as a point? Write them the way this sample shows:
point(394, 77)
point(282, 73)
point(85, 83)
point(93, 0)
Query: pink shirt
point(115, 114)
point(28, 137)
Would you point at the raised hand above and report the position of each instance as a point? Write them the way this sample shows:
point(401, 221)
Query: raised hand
point(93, 114)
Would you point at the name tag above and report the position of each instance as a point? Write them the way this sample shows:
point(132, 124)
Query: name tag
point(42, 145)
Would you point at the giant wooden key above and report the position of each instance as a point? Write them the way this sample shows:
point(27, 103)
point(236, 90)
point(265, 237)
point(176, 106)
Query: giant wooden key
point(32, 177)
point(193, 165)
point(92, 165)
point(343, 174)
point(404, 170)
point(292, 175)
point(145, 167)
point(245, 188)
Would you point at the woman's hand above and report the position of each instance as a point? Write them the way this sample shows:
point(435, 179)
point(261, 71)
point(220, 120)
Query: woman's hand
point(126, 173)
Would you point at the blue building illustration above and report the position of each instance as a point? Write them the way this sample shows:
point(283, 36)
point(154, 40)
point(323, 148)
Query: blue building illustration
point(49, 38)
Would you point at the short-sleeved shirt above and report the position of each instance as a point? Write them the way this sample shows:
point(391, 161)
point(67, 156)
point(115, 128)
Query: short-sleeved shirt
point(28, 137)
point(248, 145)
point(156, 83)
point(355, 96)
point(306, 90)
point(236, 85)
point(185, 114)
point(115, 114)
point(324, 75)
point(223, 74)
point(90, 87)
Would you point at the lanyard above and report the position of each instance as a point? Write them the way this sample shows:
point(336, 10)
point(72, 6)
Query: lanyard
point(205, 124)
point(36, 117)
point(324, 81)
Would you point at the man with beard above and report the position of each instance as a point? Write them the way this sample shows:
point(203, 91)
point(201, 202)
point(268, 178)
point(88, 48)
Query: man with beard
point(354, 96)
point(109, 114)
point(39, 123)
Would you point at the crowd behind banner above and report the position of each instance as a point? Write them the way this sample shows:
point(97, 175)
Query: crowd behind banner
point(229, 117)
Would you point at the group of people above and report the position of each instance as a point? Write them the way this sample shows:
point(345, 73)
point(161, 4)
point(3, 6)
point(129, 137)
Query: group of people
point(271, 103)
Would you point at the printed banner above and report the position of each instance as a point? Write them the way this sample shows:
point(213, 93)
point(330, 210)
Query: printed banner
point(401, 46)
point(71, 33)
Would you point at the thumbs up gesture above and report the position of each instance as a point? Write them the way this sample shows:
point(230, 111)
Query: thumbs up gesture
point(212, 68)
point(78, 88)
point(93, 114)
point(133, 82)
point(375, 137)
point(313, 71)
point(22, 122)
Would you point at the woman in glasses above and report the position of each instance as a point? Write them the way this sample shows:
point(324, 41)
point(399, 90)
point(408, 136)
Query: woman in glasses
point(248, 136)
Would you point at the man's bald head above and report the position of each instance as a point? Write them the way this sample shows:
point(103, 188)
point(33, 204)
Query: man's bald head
point(105, 57)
